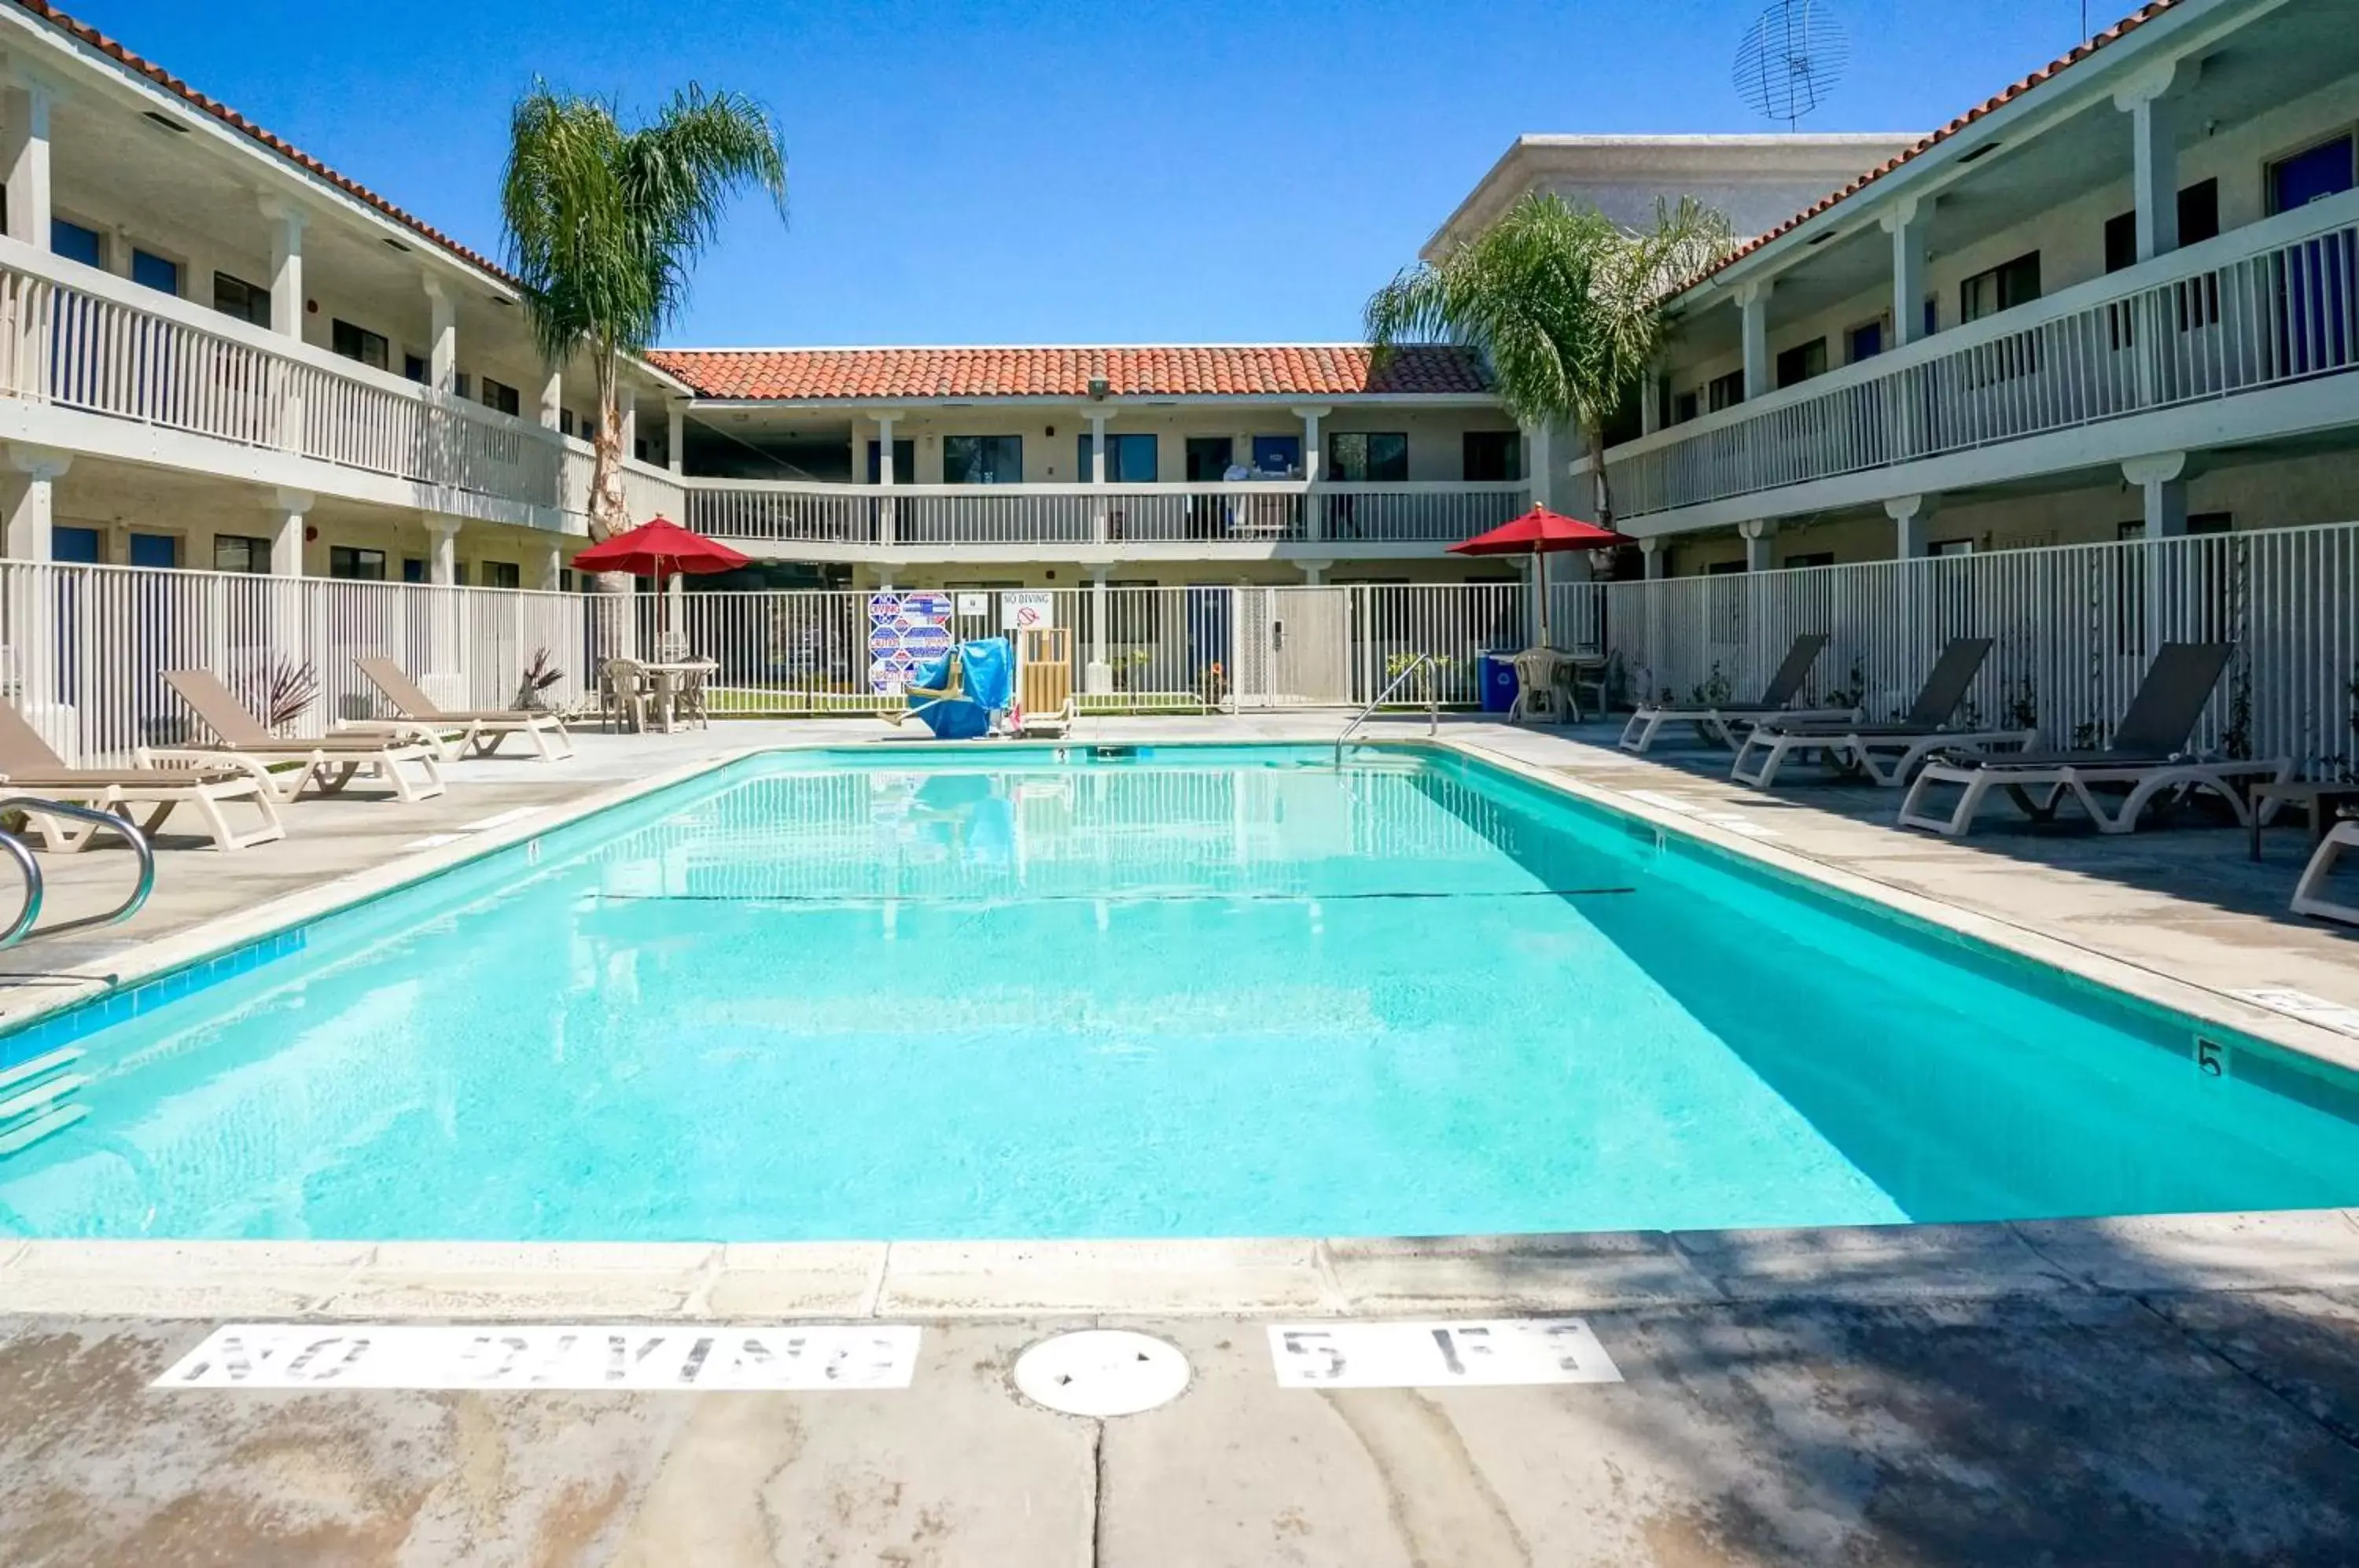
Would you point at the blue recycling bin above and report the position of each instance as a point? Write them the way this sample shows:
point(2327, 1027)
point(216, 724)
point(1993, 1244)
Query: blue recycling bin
point(1498, 682)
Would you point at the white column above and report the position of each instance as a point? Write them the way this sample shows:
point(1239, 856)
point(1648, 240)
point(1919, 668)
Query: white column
point(1097, 679)
point(888, 509)
point(676, 435)
point(627, 401)
point(1650, 403)
point(1753, 299)
point(552, 563)
point(442, 351)
point(1907, 223)
point(2162, 481)
point(1659, 555)
point(1760, 545)
point(1912, 522)
point(2147, 98)
point(1314, 472)
point(28, 494)
point(1314, 572)
point(286, 267)
point(25, 159)
point(288, 509)
point(552, 396)
point(443, 550)
point(1096, 477)
point(1314, 460)
point(1541, 464)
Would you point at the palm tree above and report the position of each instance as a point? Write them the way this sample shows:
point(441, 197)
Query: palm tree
point(604, 223)
point(1564, 303)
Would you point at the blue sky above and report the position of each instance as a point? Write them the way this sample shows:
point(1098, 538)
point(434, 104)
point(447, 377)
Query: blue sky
point(1151, 171)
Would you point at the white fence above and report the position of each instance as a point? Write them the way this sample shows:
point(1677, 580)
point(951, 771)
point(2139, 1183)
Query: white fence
point(83, 648)
point(2260, 307)
point(2074, 628)
point(1272, 513)
point(1135, 648)
point(83, 339)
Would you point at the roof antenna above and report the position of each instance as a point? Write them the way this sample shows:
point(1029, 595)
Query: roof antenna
point(1790, 58)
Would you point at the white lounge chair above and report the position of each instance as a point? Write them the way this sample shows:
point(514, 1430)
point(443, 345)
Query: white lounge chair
point(2309, 894)
point(2146, 757)
point(28, 765)
point(1721, 723)
point(1907, 742)
point(479, 730)
point(326, 763)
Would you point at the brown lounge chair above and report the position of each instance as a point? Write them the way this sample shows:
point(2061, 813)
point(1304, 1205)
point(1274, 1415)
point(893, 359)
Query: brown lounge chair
point(330, 762)
point(28, 765)
point(481, 730)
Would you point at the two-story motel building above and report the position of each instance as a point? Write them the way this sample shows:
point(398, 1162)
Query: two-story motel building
point(2117, 297)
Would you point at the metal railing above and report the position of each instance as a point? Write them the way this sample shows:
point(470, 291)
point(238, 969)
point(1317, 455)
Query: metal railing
point(2074, 626)
point(1276, 512)
point(28, 913)
point(78, 338)
point(2265, 305)
point(1433, 699)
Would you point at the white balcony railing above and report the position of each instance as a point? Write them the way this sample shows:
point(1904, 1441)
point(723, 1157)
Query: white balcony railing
point(648, 492)
point(2265, 305)
point(1109, 515)
point(78, 338)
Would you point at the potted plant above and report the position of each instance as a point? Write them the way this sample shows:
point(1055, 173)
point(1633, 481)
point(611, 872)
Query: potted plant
point(540, 673)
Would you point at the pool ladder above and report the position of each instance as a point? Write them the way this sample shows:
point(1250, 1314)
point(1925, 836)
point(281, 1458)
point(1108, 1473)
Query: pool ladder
point(16, 849)
point(1433, 704)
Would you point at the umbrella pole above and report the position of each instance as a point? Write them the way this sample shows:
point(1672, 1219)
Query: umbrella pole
point(1539, 583)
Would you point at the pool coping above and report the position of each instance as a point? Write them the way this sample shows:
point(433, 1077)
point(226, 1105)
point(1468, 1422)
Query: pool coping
point(692, 1281)
point(660, 1282)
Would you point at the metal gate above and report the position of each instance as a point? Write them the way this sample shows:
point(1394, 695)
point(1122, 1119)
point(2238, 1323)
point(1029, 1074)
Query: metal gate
point(1293, 646)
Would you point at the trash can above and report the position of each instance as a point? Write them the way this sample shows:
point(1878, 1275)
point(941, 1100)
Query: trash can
point(1498, 682)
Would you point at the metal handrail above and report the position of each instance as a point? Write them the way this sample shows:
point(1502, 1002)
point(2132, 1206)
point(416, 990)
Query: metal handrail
point(1433, 697)
point(34, 805)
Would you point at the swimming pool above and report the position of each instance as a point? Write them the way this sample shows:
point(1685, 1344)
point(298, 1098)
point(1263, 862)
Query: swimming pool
point(1027, 992)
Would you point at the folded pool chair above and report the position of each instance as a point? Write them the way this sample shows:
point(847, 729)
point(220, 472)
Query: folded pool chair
point(1889, 753)
point(329, 762)
point(28, 766)
point(2309, 894)
point(1719, 722)
point(2146, 757)
point(479, 730)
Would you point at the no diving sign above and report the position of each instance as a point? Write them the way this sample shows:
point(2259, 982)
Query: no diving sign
point(618, 1357)
point(1028, 609)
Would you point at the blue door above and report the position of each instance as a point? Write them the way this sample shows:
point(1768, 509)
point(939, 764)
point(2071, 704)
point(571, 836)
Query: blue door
point(77, 545)
point(155, 549)
point(1277, 455)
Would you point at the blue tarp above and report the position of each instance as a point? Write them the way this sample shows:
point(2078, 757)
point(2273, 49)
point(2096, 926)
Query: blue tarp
point(988, 681)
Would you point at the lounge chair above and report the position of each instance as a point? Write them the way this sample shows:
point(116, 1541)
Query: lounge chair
point(2309, 894)
point(2146, 756)
point(329, 762)
point(1916, 736)
point(1719, 722)
point(481, 730)
point(28, 765)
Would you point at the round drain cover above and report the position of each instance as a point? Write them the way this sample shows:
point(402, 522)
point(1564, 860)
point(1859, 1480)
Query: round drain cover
point(1101, 1372)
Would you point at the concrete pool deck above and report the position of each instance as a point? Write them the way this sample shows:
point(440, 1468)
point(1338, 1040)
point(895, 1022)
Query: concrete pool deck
point(2121, 1390)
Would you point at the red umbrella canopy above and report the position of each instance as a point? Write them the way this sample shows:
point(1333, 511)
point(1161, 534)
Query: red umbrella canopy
point(656, 550)
point(1539, 533)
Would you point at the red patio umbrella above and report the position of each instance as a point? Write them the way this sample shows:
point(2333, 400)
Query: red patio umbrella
point(661, 549)
point(1539, 533)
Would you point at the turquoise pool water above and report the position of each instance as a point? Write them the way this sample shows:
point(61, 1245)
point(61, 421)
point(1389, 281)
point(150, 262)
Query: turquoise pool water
point(1193, 992)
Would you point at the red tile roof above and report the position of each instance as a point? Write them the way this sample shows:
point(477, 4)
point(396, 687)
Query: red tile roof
point(810, 374)
point(85, 33)
point(2047, 72)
